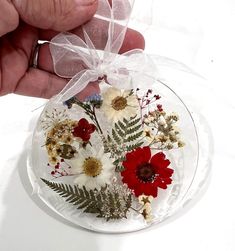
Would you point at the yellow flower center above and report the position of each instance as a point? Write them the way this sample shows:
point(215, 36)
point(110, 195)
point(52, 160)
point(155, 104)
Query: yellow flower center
point(119, 103)
point(92, 167)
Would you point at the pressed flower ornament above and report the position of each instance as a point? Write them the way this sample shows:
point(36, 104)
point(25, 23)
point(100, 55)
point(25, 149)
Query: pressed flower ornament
point(112, 159)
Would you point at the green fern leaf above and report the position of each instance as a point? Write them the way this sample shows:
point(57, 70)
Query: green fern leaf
point(133, 129)
point(121, 125)
point(105, 203)
point(130, 148)
point(134, 122)
point(116, 137)
point(119, 130)
point(133, 137)
point(125, 121)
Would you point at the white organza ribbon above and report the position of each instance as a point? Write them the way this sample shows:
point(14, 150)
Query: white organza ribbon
point(79, 59)
point(117, 69)
point(93, 55)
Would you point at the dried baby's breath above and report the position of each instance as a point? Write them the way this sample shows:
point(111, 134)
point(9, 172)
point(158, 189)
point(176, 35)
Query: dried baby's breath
point(52, 118)
point(161, 130)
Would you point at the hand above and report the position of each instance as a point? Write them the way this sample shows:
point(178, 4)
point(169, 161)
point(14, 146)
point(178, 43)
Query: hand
point(23, 23)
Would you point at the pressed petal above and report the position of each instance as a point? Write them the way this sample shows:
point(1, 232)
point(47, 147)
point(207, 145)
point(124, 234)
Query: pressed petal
point(131, 156)
point(131, 109)
point(165, 173)
point(146, 189)
point(92, 128)
point(130, 166)
point(76, 165)
point(80, 180)
point(112, 114)
point(111, 93)
point(159, 161)
point(131, 180)
point(145, 153)
point(161, 184)
point(151, 189)
point(83, 123)
point(92, 183)
point(136, 157)
point(126, 93)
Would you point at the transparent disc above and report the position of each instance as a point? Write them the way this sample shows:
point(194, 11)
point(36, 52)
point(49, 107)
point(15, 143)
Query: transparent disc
point(189, 167)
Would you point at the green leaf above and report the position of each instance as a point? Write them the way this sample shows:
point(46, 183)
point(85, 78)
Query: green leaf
point(119, 130)
point(133, 129)
point(121, 125)
point(116, 137)
point(134, 122)
point(124, 132)
point(105, 203)
point(125, 121)
point(119, 168)
point(130, 148)
point(133, 137)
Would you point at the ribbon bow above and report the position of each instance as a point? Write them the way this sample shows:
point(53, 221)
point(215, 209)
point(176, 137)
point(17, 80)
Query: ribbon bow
point(75, 59)
point(79, 59)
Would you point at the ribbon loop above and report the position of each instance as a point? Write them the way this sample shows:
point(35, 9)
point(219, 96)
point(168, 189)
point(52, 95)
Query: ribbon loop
point(80, 59)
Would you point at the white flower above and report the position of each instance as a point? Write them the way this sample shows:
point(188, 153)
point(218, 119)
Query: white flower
point(94, 169)
point(119, 104)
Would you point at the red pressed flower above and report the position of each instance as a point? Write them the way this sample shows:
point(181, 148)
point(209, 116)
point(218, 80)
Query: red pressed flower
point(145, 173)
point(83, 129)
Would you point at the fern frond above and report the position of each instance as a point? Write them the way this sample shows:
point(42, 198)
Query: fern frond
point(120, 131)
point(108, 202)
point(115, 136)
point(130, 148)
point(124, 138)
point(131, 130)
point(134, 121)
point(133, 137)
point(121, 125)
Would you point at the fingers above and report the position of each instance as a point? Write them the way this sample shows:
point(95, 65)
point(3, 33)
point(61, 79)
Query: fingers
point(38, 83)
point(133, 40)
point(41, 84)
point(57, 15)
point(97, 30)
point(9, 18)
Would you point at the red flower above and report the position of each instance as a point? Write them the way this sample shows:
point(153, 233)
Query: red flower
point(144, 174)
point(83, 129)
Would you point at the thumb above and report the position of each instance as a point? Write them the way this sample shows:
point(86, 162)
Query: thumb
point(59, 15)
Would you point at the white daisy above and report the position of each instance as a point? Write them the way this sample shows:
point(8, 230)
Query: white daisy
point(118, 104)
point(94, 169)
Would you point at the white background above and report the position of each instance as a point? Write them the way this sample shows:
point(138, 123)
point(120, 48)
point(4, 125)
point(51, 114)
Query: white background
point(199, 33)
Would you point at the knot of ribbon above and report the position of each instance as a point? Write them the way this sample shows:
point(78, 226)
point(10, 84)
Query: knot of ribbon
point(73, 58)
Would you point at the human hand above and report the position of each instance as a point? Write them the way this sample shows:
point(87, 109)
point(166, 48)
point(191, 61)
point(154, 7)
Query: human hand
point(23, 23)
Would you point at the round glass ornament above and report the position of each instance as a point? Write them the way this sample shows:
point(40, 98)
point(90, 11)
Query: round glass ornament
point(183, 160)
point(103, 131)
